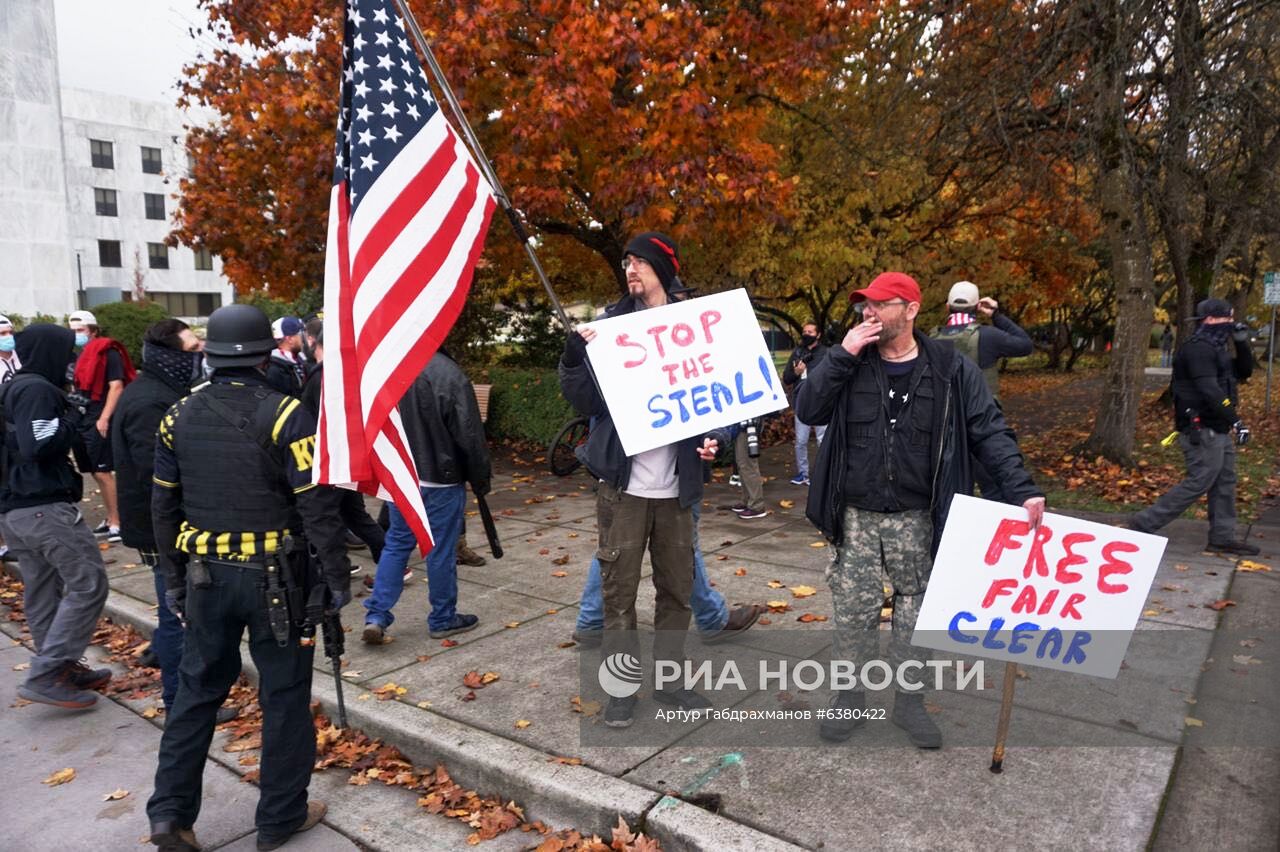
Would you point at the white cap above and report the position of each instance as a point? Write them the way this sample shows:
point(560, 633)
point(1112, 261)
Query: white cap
point(81, 318)
point(5, 324)
point(964, 294)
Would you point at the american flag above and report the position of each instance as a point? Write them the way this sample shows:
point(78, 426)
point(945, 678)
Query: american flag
point(407, 219)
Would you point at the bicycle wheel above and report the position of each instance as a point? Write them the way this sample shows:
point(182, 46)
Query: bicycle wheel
point(560, 454)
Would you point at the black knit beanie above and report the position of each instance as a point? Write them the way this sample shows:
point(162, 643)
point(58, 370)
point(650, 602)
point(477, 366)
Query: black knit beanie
point(661, 252)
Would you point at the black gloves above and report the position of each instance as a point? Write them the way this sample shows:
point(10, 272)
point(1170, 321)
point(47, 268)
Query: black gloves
point(575, 350)
point(337, 576)
point(1242, 432)
point(1240, 332)
point(480, 488)
point(175, 600)
point(77, 406)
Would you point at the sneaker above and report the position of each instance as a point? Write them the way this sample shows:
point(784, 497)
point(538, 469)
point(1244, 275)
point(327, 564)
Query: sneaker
point(461, 624)
point(750, 514)
point(166, 835)
point(372, 634)
point(467, 556)
point(620, 712)
point(588, 638)
point(113, 534)
point(225, 714)
point(735, 480)
point(681, 699)
point(102, 528)
point(740, 620)
point(408, 574)
point(1237, 548)
point(837, 730)
point(57, 689)
point(83, 677)
point(738, 507)
point(909, 715)
point(315, 813)
point(799, 479)
point(356, 569)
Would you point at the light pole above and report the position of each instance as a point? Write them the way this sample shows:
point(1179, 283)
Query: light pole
point(79, 282)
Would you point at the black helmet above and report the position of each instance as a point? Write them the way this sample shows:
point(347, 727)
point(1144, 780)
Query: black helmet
point(237, 336)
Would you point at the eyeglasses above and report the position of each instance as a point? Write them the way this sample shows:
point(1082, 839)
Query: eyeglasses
point(638, 262)
point(880, 306)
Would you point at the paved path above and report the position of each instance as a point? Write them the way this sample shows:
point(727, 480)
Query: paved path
point(885, 796)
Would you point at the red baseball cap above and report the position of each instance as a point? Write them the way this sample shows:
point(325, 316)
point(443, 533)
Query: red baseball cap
point(889, 285)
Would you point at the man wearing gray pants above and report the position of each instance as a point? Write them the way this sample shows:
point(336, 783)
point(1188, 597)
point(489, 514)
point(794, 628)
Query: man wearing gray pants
point(63, 577)
point(1205, 379)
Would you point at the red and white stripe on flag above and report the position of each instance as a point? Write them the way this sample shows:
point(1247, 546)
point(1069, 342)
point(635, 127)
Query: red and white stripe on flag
point(407, 218)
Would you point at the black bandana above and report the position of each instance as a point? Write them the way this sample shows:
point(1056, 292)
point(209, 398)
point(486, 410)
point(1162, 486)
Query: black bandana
point(1216, 334)
point(179, 369)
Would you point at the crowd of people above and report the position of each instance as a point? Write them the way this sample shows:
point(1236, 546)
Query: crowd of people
point(203, 457)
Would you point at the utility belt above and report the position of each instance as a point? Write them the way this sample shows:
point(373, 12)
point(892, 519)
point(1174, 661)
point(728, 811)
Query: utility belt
point(288, 577)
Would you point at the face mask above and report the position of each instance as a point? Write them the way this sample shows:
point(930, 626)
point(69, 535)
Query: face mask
point(82, 340)
point(1216, 333)
point(197, 366)
point(7, 343)
point(808, 339)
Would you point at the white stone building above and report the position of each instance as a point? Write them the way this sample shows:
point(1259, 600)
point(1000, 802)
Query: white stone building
point(87, 188)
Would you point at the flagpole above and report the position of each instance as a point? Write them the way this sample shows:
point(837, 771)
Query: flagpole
point(482, 161)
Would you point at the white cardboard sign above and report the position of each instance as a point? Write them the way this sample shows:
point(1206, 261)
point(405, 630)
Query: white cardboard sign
point(1066, 596)
point(677, 371)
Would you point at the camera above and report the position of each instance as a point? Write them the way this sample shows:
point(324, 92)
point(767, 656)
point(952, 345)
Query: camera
point(751, 427)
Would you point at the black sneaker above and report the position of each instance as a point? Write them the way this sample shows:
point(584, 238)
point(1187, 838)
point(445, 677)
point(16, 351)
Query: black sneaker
point(167, 837)
point(102, 528)
point(460, 624)
point(620, 712)
point(1237, 548)
point(909, 715)
point(682, 699)
point(57, 689)
point(846, 702)
point(83, 677)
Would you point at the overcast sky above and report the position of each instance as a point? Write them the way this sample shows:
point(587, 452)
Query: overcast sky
point(126, 47)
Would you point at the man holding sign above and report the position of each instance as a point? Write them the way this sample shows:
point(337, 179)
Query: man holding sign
point(644, 499)
point(906, 413)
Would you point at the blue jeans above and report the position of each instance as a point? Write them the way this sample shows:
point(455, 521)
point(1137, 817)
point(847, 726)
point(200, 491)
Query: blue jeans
point(802, 445)
point(166, 641)
point(710, 612)
point(444, 510)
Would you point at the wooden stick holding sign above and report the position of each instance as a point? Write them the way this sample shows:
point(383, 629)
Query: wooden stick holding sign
point(1065, 595)
point(1006, 713)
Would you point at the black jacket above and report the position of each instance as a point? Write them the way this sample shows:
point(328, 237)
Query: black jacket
point(442, 422)
point(38, 428)
point(966, 422)
point(603, 455)
point(133, 447)
point(282, 375)
point(808, 356)
point(1205, 380)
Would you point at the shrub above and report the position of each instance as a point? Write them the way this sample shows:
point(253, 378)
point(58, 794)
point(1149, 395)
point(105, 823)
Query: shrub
point(526, 404)
point(127, 322)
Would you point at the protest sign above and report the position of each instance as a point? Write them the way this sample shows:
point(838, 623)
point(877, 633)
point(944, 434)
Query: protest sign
point(1065, 596)
point(673, 372)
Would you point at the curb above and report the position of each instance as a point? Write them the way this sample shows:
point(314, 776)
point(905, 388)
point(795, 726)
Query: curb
point(557, 794)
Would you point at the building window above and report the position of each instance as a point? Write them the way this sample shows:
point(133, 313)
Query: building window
point(150, 160)
point(104, 202)
point(155, 205)
point(204, 260)
point(157, 255)
point(109, 253)
point(187, 304)
point(101, 154)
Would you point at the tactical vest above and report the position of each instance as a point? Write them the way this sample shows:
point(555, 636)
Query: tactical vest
point(228, 482)
point(966, 343)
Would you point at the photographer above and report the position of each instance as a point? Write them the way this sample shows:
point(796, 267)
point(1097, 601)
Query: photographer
point(746, 453)
point(1205, 380)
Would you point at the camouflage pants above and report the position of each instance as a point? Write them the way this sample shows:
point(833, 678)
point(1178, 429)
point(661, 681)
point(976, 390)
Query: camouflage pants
point(879, 547)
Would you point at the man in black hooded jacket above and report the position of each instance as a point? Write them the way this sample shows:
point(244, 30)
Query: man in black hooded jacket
point(63, 578)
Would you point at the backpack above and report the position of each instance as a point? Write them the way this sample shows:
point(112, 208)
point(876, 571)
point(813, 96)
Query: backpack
point(966, 343)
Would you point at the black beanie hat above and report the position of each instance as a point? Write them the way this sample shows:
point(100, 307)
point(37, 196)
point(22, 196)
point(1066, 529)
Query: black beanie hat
point(661, 252)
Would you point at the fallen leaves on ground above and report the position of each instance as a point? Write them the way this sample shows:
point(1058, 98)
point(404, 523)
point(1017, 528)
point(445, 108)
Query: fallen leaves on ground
point(818, 544)
point(521, 724)
point(115, 795)
point(389, 690)
point(740, 572)
point(559, 574)
point(810, 617)
point(1249, 566)
point(778, 606)
point(787, 504)
point(803, 591)
point(586, 708)
point(1221, 605)
point(775, 584)
point(62, 776)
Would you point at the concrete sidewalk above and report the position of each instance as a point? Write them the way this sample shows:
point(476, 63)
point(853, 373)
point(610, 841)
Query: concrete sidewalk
point(769, 797)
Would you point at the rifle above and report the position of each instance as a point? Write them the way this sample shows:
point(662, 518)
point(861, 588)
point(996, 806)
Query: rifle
point(319, 614)
point(490, 530)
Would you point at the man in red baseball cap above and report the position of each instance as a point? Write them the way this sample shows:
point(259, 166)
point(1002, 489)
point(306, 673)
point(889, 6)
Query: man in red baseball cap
point(905, 412)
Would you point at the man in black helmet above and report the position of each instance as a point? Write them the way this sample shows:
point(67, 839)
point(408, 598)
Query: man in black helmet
point(232, 497)
point(1205, 377)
